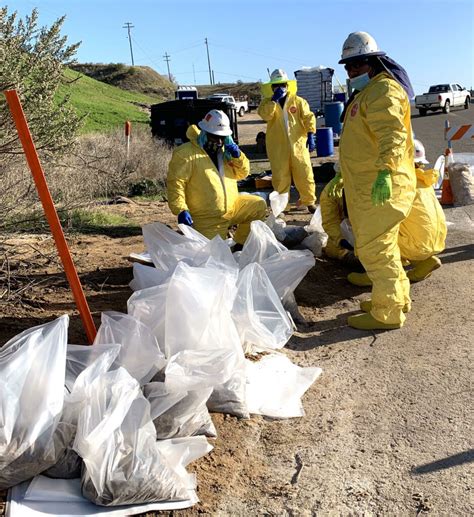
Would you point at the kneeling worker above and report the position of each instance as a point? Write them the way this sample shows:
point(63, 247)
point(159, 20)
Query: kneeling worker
point(202, 181)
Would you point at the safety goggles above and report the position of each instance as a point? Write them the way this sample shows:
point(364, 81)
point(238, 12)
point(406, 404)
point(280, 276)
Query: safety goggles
point(355, 65)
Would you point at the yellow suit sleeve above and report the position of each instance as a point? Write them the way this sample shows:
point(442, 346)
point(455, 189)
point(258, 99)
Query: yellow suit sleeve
point(179, 173)
point(332, 215)
point(266, 110)
point(386, 108)
point(307, 116)
point(240, 166)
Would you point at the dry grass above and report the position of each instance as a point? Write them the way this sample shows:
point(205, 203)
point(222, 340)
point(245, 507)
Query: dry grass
point(97, 167)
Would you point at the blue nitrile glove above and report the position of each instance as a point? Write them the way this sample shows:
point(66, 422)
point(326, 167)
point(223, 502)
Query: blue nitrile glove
point(382, 188)
point(278, 94)
point(184, 217)
point(233, 149)
point(311, 142)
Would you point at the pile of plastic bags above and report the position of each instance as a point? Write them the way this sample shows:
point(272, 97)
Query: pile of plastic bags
point(127, 414)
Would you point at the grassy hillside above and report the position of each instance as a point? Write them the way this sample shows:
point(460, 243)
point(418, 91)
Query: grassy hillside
point(142, 79)
point(105, 106)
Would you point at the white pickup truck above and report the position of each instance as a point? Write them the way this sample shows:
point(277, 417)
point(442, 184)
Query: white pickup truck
point(240, 106)
point(442, 96)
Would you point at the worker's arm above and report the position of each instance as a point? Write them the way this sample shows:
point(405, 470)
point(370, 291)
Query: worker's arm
point(332, 214)
point(240, 166)
point(307, 116)
point(267, 109)
point(179, 173)
point(386, 107)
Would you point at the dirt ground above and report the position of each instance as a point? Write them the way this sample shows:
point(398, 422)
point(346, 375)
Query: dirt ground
point(388, 429)
point(388, 426)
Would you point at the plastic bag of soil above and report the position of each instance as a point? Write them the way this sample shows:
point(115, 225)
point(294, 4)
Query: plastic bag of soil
point(83, 365)
point(202, 298)
point(149, 307)
point(146, 276)
point(140, 353)
point(32, 374)
point(259, 316)
point(462, 183)
point(117, 441)
point(260, 245)
point(178, 413)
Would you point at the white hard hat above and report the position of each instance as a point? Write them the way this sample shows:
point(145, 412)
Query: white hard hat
point(420, 155)
point(359, 44)
point(217, 123)
point(278, 76)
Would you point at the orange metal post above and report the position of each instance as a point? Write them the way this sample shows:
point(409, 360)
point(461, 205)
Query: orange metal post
point(50, 211)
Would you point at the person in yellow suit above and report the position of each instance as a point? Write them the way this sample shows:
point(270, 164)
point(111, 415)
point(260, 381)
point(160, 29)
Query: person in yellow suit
point(422, 234)
point(377, 167)
point(290, 138)
point(202, 181)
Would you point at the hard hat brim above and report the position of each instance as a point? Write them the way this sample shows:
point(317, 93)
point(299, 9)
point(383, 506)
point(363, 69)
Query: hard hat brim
point(361, 56)
point(422, 160)
point(221, 132)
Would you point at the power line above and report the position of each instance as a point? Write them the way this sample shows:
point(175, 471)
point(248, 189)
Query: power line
point(129, 26)
point(166, 57)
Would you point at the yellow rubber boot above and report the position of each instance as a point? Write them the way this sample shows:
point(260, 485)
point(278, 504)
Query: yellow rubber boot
point(359, 279)
point(366, 306)
point(423, 269)
point(368, 322)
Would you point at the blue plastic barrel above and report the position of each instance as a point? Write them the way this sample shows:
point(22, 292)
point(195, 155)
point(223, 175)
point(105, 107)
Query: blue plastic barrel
point(340, 97)
point(324, 141)
point(332, 115)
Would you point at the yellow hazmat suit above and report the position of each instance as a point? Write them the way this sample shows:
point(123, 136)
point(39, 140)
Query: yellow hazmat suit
point(332, 214)
point(212, 198)
point(286, 137)
point(423, 232)
point(376, 136)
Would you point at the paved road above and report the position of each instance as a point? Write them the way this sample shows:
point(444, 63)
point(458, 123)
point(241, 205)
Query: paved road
point(430, 130)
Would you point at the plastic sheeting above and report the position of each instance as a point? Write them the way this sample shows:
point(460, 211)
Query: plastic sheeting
point(275, 386)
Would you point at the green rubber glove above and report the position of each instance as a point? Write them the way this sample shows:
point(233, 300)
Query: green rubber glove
point(382, 188)
point(335, 186)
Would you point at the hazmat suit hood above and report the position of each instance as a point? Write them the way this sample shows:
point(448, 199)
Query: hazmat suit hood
point(192, 133)
point(398, 73)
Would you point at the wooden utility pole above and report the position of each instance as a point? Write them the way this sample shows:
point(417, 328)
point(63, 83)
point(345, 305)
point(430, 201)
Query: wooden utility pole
point(208, 61)
point(166, 57)
point(129, 26)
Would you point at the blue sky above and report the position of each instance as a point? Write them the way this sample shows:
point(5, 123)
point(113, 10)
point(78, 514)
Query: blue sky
point(432, 39)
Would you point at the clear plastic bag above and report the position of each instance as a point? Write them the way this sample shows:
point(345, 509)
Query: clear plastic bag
point(275, 386)
point(149, 307)
point(32, 373)
point(315, 242)
point(347, 232)
point(167, 248)
point(117, 441)
point(316, 222)
point(83, 365)
point(259, 316)
point(146, 276)
point(178, 413)
point(260, 245)
point(278, 202)
point(202, 298)
point(286, 270)
point(140, 353)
